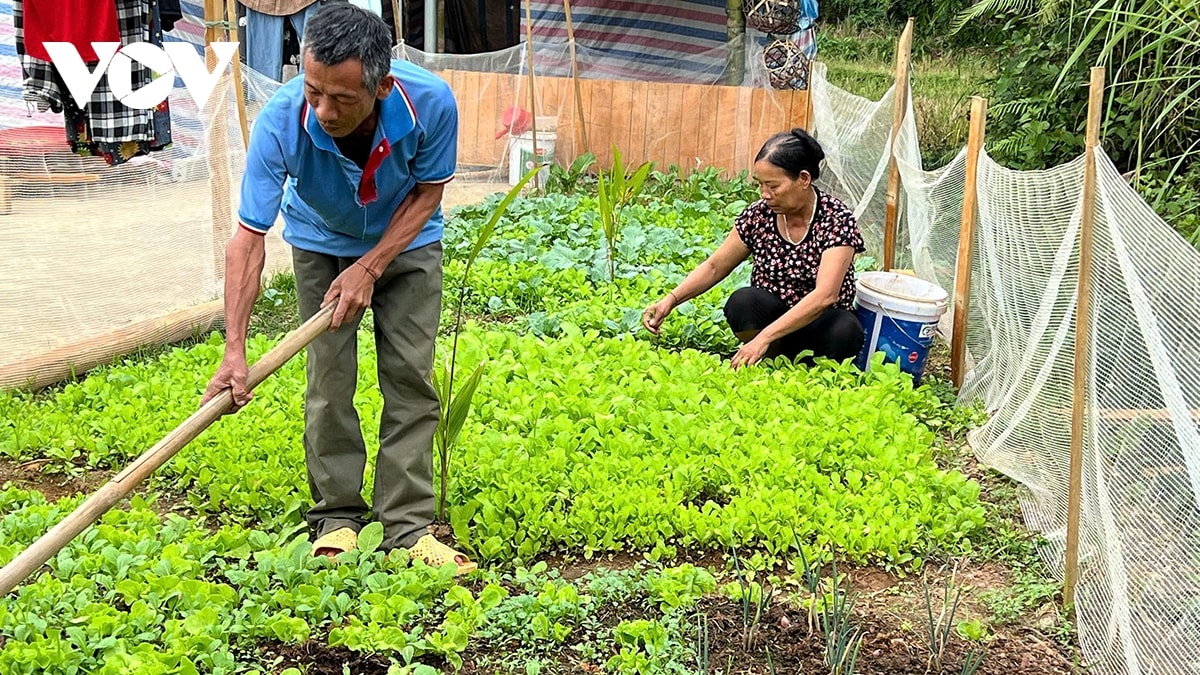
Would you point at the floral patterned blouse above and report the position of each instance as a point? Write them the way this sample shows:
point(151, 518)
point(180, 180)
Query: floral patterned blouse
point(790, 270)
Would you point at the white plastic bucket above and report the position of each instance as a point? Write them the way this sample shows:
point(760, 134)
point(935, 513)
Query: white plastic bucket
point(520, 150)
point(899, 314)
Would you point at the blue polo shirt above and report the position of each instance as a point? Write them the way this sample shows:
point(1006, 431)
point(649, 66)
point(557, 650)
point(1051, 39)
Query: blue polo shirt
point(330, 205)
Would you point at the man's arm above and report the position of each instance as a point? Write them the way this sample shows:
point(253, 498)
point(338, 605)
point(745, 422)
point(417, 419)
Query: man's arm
point(245, 256)
point(353, 288)
point(406, 223)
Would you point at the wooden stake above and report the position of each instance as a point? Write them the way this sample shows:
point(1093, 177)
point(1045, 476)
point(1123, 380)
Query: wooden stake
point(1083, 325)
point(891, 215)
point(532, 89)
point(232, 32)
point(808, 105)
point(123, 483)
point(575, 77)
point(217, 157)
point(735, 30)
point(398, 19)
point(966, 242)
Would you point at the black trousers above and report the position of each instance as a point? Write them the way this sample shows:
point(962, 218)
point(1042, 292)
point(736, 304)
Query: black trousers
point(836, 334)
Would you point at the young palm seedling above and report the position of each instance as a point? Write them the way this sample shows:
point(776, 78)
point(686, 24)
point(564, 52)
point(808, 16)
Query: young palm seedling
point(455, 405)
point(614, 194)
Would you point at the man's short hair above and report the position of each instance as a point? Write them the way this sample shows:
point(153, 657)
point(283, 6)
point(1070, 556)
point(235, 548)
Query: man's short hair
point(341, 31)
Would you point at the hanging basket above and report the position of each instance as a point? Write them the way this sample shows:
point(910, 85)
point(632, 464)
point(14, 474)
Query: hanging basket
point(774, 17)
point(787, 66)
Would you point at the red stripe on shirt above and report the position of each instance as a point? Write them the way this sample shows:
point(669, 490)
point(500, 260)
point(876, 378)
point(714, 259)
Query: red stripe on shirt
point(367, 190)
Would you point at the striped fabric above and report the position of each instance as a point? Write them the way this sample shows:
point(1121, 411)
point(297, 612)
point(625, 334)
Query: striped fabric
point(15, 112)
point(663, 40)
point(191, 27)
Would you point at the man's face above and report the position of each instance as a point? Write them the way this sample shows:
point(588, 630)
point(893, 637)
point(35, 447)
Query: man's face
point(337, 96)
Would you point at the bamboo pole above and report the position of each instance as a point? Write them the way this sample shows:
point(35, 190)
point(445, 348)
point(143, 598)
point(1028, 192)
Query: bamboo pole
point(735, 31)
point(442, 27)
point(123, 483)
point(575, 77)
point(966, 241)
point(532, 89)
point(1083, 325)
point(218, 161)
point(231, 33)
point(398, 20)
point(891, 215)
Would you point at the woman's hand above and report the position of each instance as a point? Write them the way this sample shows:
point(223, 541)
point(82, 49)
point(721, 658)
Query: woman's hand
point(653, 317)
point(751, 353)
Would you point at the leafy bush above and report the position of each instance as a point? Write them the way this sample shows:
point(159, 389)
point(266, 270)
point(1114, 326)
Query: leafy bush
point(933, 20)
point(1031, 124)
point(1151, 115)
point(1175, 199)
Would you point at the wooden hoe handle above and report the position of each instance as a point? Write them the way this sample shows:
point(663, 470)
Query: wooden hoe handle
point(123, 483)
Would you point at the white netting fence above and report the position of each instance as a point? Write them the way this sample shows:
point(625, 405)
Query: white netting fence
point(1138, 598)
point(92, 250)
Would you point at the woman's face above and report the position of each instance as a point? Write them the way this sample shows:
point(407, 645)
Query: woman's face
point(782, 193)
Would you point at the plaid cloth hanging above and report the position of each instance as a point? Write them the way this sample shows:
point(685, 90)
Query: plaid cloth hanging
point(104, 127)
point(41, 85)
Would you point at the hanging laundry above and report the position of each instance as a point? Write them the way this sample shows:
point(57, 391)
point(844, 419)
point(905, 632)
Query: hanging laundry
point(105, 127)
point(80, 22)
point(264, 31)
point(170, 12)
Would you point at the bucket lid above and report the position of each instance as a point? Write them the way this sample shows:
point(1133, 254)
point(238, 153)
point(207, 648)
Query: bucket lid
point(516, 120)
point(903, 286)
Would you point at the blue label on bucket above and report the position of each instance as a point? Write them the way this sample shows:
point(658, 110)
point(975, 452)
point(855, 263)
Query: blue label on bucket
point(903, 342)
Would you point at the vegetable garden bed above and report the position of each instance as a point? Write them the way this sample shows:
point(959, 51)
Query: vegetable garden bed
point(636, 506)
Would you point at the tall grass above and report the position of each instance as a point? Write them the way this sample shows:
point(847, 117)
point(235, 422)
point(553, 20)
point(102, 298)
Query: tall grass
point(863, 62)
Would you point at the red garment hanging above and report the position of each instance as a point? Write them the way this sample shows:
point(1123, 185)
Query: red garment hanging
point(80, 22)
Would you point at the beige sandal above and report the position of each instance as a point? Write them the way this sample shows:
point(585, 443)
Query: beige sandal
point(436, 554)
point(340, 540)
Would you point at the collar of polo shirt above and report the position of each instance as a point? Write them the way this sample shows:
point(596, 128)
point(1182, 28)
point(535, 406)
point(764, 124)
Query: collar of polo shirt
point(397, 119)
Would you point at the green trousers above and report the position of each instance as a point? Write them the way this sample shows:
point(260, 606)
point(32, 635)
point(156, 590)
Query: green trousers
point(406, 307)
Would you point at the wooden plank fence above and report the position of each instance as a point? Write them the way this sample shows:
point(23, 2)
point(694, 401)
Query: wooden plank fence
point(692, 126)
